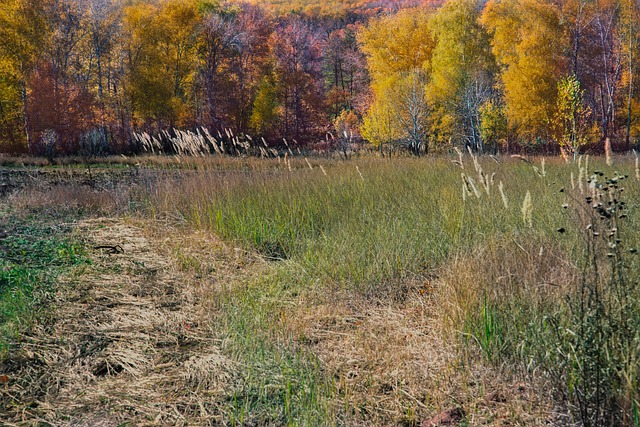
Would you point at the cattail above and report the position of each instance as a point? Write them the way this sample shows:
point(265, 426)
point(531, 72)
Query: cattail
point(607, 151)
point(505, 201)
point(359, 173)
point(527, 210)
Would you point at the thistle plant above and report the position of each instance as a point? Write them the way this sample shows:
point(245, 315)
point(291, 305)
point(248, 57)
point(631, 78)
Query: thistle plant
point(600, 343)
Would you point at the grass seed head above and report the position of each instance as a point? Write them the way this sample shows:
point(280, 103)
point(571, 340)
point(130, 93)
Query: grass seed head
point(527, 210)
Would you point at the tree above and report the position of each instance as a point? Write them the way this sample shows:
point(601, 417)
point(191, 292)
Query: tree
point(252, 63)
point(160, 51)
point(493, 124)
point(399, 113)
point(398, 49)
point(528, 41)
point(24, 33)
point(629, 30)
point(264, 113)
point(103, 26)
point(462, 71)
point(344, 70)
point(66, 109)
point(379, 126)
point(397, 43)
point(219, 38)
point(409, 104)
point(297, 53)
point(572, 116)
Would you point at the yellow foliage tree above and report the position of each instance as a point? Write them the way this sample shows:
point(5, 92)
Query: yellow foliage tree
point(398, 49)
point(528, 42)
point(23, 34)
point(397, 43)
point(161, 42)
point(462, 69)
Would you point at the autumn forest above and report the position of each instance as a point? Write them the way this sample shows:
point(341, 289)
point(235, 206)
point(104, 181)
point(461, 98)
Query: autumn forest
point(552, 76)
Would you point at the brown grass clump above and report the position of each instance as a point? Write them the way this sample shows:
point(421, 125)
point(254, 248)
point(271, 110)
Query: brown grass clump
point(536, 269)
point(394, 363)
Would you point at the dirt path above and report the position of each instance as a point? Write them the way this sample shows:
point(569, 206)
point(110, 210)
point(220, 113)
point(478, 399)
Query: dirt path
point(130, 342)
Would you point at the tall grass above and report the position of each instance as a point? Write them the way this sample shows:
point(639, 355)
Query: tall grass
point(398, 220)
point(501, 238)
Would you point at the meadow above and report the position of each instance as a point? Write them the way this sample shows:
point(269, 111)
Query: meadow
point(493, 290)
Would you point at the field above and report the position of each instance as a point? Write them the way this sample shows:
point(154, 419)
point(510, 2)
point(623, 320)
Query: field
point(453, 290)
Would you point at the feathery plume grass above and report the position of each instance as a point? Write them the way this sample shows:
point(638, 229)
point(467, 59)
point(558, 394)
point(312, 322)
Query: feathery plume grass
point(527, 210)
point(608, 152)
point(323, 171)
point(505, 201)
point(637, 165)
point(359, 173)
point(581, 175)
point(308, 163)
point(473, 186)
point(460, 162)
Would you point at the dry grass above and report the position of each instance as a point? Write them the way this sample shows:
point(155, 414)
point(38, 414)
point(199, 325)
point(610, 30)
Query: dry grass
point(392, 364)
point(130, 341)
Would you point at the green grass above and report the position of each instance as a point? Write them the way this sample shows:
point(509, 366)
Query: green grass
point(280, 383)
point(404, 218)
point(33, 255)
point(370, 235)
